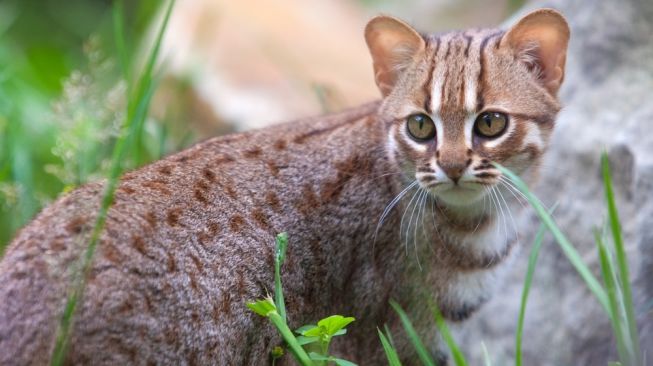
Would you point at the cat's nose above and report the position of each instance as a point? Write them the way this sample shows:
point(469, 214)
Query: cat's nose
point(453, 169)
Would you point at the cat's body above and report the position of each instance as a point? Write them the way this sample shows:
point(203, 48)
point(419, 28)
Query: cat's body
point(190, 238)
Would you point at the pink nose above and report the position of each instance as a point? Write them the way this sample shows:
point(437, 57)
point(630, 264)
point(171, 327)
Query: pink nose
point(453, 169)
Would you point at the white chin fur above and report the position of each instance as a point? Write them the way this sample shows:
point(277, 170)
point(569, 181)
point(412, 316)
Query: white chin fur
point(457, 196)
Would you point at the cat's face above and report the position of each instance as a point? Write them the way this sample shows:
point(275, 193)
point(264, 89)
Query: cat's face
point(454, 103)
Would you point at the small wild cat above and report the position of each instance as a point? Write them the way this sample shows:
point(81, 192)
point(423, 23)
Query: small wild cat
point(190, 238)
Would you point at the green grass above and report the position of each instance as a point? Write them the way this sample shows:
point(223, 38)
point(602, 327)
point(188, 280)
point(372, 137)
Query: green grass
point(137, 108)
point(422, 352)
point(616, 297)
point(532, 261)
point(63, 98)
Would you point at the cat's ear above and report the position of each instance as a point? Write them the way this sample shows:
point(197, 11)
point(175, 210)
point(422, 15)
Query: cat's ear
point(540, 40)
point(394, 45)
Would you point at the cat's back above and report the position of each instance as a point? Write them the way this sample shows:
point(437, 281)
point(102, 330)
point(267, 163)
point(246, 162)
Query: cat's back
point(187, 238)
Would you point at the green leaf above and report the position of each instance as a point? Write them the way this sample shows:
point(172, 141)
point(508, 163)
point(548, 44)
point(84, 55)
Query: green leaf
point(334, 323)
point(339, 361)
point(327, 327)
point(422, 353)
point(340, 332)
point(390, 352)
point(302, 340)
point(315, 332)
point(302, 330)
point(318, 357)
point(263, 307)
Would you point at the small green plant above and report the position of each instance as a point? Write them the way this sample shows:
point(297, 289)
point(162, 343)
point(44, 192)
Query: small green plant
point(320, 335)
point(310, 346)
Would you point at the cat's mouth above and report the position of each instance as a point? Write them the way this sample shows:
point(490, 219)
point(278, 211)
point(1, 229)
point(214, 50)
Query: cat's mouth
point(461, 194)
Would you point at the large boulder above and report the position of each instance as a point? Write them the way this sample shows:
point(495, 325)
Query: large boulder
point(608, 106)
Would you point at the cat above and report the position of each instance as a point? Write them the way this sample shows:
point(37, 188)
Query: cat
point(396, 199)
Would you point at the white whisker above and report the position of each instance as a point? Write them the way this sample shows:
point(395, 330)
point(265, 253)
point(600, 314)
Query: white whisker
point(514, 225)
point(512, 184)
point(418, 222)
point(410, 219)
point(511, 190)
point(480, 218)
point(391, 205)
point(401, 223)
point(504, 180)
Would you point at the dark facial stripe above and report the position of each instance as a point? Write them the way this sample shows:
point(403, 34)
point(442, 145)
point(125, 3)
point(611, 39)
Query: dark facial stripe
point(446, 55)
point(469, 43)
point(461, 96)
point(480, 102)
point(443, 91)
point(539, 119)
point(429, 80)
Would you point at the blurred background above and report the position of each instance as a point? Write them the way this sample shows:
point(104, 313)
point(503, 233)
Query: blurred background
point(224, 66)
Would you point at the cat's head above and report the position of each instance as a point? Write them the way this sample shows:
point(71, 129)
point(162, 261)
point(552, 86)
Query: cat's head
point(456, 102)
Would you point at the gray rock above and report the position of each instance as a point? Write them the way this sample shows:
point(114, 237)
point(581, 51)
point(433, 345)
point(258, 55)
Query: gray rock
point(608, 105)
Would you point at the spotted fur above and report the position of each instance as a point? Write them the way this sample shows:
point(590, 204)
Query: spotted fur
point(371, 214)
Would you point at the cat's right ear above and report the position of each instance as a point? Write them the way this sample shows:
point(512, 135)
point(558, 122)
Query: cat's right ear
point(394, 45)
point(540, 40)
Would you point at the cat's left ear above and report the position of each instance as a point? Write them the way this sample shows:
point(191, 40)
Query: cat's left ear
point(540, 40)
point(394, 45)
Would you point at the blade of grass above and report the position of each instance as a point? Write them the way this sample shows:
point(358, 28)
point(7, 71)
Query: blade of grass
point(532, 261)
point(136, 112)
point(607, 270)
point(390, 352)
point(279, 257)
point(486, 355)
point(566, 246)
point(389, 335)
point(458, 357)
point(422, 353)
point(622, 261)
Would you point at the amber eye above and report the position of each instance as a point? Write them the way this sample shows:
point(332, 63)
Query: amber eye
point(490, 124)
point(420, 127)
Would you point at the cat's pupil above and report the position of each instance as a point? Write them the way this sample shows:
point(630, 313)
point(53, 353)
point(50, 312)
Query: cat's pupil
point(488, 120)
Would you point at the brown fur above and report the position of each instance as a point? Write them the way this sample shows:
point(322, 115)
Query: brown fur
point(190, 239)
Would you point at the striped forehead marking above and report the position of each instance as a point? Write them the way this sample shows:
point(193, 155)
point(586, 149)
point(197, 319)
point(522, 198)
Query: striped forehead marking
point(457, 71)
